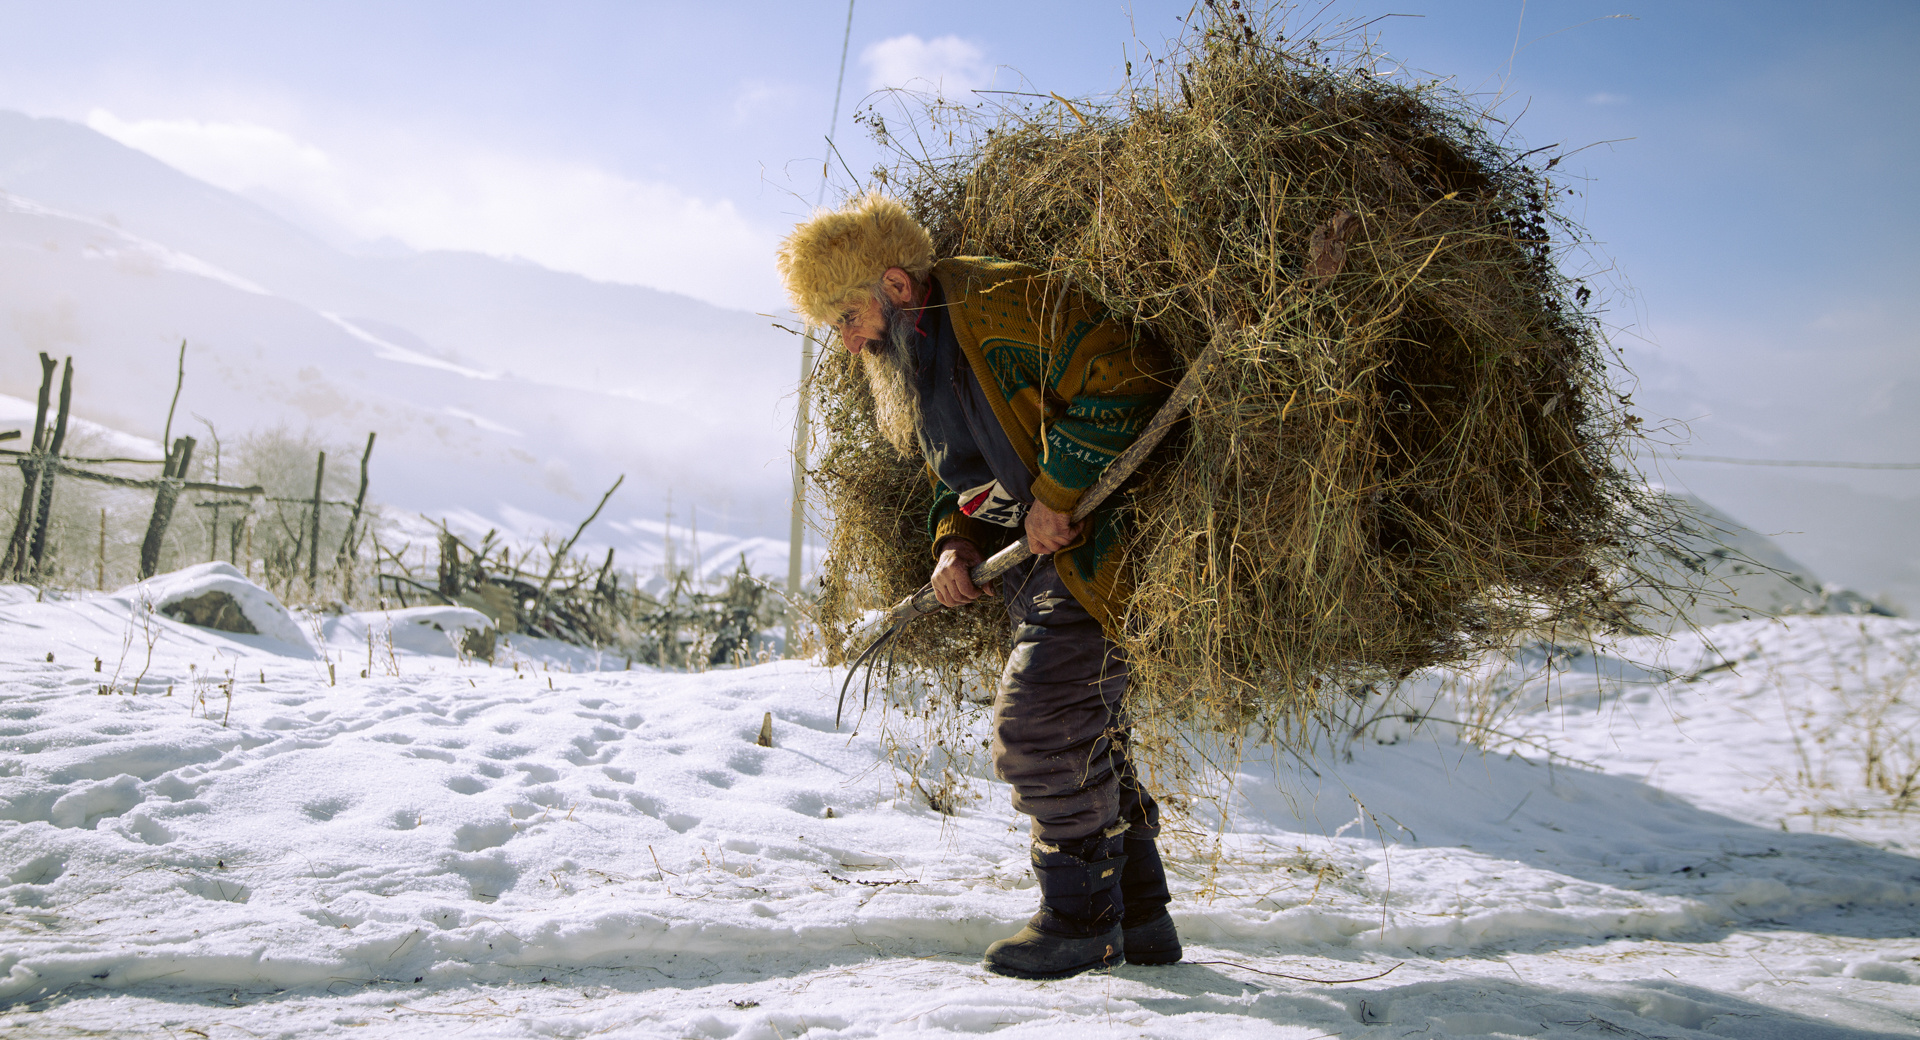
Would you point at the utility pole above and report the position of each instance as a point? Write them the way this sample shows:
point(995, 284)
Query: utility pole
point(797, 533)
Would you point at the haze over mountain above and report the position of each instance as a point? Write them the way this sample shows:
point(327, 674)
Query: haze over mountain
point(501, 390)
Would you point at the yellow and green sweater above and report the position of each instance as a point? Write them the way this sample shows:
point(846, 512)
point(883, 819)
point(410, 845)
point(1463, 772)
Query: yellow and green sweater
point(1071, 387)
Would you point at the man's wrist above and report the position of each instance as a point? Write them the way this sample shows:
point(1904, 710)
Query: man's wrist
point(954, 541)
point(1055, 496)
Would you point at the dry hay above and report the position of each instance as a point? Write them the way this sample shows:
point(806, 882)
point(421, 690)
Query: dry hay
point(1398, 464)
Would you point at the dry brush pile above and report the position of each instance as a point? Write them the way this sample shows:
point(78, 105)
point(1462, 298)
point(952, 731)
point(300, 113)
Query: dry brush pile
point(1408, 452)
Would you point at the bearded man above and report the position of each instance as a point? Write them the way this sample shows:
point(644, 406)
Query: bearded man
point(1018, 392)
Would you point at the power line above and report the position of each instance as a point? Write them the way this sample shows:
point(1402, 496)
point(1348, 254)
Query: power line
point(1796, 462)
point(833, 123)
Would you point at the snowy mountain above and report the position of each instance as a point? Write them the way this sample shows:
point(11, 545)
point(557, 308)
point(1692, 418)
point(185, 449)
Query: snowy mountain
point(1721, 571)
point(1856, 527)
point(499, 388)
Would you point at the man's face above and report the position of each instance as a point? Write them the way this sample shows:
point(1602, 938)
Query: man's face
point(860, 324)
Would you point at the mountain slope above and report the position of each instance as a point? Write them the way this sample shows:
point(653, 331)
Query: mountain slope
point(495, 385)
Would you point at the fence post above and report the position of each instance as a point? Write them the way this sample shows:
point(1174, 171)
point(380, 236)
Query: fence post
point(348, 543)
point(14, 565)
point(313, 524)
point(449, 565)
point(37, 550)
point(163, 502)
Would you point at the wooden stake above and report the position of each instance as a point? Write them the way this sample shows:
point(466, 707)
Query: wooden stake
point(14, 564)
point(179, 380)
point(600, 586)
point(37, 550)
point(568, 546)
point(172, 482)
point(313, 524)
point(449, 566)
point(349, 543)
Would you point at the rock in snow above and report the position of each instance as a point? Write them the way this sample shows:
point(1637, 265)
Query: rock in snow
point(216, 595)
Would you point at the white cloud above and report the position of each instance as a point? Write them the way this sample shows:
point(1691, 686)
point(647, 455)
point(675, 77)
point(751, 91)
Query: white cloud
point(947, 63)
point(758, 98)
point(1604, 98)
point(566, 215)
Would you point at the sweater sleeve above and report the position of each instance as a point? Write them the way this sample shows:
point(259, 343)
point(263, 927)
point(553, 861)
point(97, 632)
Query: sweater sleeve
point(945, 520)
point(1117, 393)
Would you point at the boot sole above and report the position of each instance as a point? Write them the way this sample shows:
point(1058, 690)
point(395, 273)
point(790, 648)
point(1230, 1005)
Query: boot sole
point(1034, 976)
point(1152, 943)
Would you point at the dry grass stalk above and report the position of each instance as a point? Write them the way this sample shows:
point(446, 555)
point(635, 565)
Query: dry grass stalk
point(1407, 454)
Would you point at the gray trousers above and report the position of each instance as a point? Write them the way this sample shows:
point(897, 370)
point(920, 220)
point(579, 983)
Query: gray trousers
point(1059, 722)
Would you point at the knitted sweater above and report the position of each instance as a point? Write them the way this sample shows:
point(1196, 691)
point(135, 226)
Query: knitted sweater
point(1071, 388)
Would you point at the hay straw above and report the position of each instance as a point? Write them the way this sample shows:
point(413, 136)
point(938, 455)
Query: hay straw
point(1405, 456)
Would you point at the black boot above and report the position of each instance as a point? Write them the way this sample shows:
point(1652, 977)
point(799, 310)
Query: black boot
point(1150, 937)
point(1078, 926)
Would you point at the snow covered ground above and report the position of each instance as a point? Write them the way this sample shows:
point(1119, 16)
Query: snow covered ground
point(353, 830)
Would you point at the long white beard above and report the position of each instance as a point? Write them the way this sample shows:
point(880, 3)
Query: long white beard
point(890, 376)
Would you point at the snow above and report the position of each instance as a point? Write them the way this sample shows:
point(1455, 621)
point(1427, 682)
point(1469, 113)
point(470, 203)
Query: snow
point(366, 833)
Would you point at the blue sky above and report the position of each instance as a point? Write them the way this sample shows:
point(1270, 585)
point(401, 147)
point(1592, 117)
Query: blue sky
point(1769, 145)
point(1755, 212)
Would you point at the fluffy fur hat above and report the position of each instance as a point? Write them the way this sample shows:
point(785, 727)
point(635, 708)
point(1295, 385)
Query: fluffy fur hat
point(838, 255)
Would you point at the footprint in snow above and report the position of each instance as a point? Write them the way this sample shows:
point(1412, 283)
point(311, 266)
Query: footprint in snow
point(503, 752)
point(40, 870)
point(646, 804)
point(139, 825)
point(86, 805)
point(680, 822)
point(537, 773)
point(478, 837)
point(487, 876)
point(324, 810)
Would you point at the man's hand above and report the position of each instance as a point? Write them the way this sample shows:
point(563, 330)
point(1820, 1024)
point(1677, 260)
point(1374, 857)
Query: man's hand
point(1049, 530)
point(953, 576)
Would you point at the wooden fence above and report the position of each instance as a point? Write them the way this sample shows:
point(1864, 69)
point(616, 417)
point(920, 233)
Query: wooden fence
point(44, 462)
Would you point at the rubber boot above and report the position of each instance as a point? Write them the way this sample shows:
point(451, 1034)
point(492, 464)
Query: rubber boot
point(1078, 926)
point(1149, 935)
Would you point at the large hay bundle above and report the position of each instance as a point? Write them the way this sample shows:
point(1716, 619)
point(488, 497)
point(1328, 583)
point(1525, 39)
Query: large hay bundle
point(1405, 455)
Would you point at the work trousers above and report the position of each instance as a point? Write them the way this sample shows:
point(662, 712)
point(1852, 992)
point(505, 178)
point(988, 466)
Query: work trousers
point(1059, 720)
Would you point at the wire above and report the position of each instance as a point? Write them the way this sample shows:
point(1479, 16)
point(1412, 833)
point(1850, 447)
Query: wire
point(1796, 462)
point(839, 85)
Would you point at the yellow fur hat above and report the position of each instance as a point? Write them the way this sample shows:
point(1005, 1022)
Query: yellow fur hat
point(837, 256)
